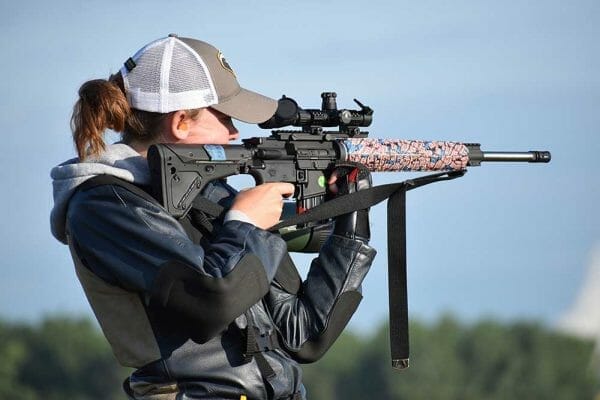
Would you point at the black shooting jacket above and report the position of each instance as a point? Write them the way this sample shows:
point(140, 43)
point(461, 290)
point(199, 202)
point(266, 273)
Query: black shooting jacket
point(197, 311)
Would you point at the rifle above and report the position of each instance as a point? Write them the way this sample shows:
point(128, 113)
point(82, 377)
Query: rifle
point(305, 158)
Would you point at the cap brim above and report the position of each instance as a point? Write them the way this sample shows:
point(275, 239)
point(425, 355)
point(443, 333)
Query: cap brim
point(248, 106)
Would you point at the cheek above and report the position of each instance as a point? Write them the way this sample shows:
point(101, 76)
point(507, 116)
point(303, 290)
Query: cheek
point(213, 131)
point(219, 134)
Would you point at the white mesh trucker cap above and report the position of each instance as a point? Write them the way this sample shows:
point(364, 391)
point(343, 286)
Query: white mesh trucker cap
point(175, 73)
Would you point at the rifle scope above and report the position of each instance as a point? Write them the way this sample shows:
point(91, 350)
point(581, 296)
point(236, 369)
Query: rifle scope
point(289, 113)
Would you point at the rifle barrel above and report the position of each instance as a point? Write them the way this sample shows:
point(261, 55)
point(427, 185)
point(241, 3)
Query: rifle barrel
point(476, 156)
point(525, 156)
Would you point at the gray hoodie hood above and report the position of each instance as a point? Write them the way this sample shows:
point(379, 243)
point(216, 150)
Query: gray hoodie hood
point(119, 160)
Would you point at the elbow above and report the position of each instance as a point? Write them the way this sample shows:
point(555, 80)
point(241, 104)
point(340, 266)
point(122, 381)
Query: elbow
point(314, 348)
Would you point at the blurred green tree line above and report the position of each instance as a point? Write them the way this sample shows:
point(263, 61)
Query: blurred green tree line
point(68, 358)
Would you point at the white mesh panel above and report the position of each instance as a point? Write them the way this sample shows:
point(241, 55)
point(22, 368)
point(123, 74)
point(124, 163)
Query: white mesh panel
point(187, 73)
point(168, 76)
point(146, 75)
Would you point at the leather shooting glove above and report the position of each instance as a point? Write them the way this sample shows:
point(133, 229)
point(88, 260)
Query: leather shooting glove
point(348, 178)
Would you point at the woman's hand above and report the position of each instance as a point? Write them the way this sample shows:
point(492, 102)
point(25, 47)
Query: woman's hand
point(263, 203)
point(348, 178)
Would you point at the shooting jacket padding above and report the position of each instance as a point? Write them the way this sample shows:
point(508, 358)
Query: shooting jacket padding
point(122, 243)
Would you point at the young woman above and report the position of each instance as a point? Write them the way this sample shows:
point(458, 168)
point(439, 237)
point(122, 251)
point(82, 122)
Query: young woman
point(202, 308)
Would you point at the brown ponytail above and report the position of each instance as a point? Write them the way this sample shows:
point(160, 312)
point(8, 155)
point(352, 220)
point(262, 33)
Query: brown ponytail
point(102, 105)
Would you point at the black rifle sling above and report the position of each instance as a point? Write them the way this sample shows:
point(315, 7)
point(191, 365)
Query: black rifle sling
point(396, 243)
point(397, 279)
point(100, 180)
point(362, 199)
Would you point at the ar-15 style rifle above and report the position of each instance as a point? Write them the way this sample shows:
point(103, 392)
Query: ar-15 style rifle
point(305, 157)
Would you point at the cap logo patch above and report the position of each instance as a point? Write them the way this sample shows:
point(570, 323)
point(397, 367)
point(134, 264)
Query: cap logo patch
point(224, 63)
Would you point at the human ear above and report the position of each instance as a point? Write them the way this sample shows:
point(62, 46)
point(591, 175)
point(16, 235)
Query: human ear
point(179, 125)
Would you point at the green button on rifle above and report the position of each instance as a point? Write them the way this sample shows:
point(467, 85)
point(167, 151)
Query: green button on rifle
point(321, 181)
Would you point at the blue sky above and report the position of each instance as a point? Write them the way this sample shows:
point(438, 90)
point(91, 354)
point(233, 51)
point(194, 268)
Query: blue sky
point(508, 241)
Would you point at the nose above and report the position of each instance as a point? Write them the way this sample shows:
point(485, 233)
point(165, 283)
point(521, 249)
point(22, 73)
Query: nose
point(233, 132)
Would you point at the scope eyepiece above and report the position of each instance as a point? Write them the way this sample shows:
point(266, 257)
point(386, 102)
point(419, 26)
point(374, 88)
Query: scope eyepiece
point(286, 114)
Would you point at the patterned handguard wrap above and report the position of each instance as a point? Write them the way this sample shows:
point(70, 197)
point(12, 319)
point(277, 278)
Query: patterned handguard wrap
point(381, 155)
